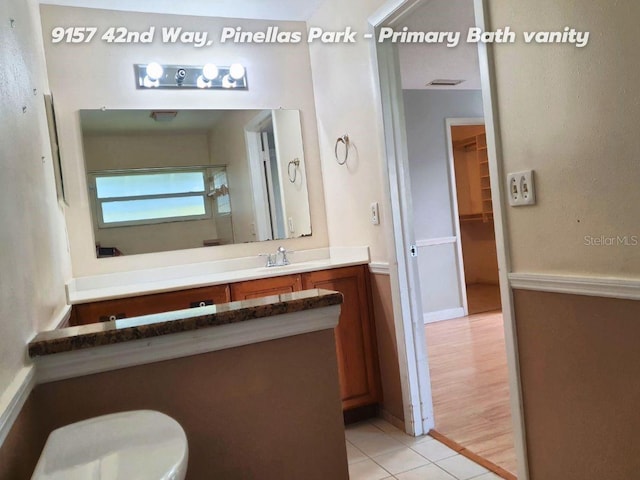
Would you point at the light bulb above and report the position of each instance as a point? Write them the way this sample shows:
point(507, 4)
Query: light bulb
point(228, 82)
point(149, 83)
point(154, 71)
point(202, 83)
point(236, 71)
point(209, 71)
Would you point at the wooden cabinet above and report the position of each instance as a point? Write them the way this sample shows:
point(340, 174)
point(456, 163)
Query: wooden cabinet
point(147, 304)
point(355, 333)
point(264, 287)
point(472, 178)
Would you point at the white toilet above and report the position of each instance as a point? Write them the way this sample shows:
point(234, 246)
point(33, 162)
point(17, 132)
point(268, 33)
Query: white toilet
point(136, 445)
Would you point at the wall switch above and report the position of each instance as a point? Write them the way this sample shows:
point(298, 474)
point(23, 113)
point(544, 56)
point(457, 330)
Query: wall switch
point(521, 188)
point(291, 229)
point(375, 214)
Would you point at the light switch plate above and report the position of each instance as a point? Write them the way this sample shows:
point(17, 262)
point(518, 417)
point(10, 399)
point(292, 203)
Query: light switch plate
point(521, 188)
point(375, 214)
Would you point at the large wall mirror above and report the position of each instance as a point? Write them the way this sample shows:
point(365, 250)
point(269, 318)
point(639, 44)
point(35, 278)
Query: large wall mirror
point(169, 180)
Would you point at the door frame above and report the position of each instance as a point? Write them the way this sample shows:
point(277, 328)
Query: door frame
point(412, 350)
point(260, 204)
point(453, 122)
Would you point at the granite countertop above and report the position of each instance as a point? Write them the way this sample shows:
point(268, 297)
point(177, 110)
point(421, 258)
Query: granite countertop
point(149, 326)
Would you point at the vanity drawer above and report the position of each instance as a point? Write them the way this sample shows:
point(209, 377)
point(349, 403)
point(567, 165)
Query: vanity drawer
point(146, 304)
point(264, 287)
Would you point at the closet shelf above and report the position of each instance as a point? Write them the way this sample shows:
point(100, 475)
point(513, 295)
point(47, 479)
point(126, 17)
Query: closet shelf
point(477, 217)
point(471, 217)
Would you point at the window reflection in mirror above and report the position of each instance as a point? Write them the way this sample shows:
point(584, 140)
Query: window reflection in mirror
point(202, 178)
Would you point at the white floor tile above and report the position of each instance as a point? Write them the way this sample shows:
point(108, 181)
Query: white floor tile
point(384, 425)
point(367, 470)
point(376, 450)
point(461, 467)
point(408, 440)
point(428, 472)
point(354, 455)
point(400, 460)
point(433, 450)
point(372, 441)
point(398, 434)
point(360, 430)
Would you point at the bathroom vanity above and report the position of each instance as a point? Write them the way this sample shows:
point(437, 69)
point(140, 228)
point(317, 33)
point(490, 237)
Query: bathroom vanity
point(355, 332)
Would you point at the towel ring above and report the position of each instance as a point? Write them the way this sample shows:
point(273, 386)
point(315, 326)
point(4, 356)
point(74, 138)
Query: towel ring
point(344, 139)
point(296, 163)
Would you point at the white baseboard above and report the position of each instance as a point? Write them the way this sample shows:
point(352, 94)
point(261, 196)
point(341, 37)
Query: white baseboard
point(379, 268)
point(623, 288)
point(13, 398)
point(440, 315)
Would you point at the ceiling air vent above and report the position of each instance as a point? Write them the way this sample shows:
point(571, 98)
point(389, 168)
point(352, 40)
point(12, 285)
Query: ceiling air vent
point(444, 82)
point(163, 115)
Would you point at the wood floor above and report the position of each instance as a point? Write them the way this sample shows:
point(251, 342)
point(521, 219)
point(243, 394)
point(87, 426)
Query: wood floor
point(468, 366)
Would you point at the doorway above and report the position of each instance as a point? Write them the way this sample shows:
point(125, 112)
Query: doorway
point(407, 292)
point(467, 357)
point(265, 173)
point(458, 271)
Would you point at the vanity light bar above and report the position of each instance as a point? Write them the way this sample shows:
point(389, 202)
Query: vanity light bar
point(203, 77)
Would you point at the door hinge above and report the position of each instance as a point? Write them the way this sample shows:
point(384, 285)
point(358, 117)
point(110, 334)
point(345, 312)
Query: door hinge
point(413, 250)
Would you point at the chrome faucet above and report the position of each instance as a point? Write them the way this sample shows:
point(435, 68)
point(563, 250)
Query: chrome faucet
point(281, 256)
point(278, 259)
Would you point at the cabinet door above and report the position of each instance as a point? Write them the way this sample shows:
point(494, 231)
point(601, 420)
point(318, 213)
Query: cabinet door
point(265, 287)
point(355, 337)
point(147, 304)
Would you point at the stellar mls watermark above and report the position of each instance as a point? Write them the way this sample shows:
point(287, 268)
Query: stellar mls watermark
point(612, 240)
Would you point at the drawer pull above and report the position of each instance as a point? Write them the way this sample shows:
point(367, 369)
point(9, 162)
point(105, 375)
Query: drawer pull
point(201, 303)
point(111, 318)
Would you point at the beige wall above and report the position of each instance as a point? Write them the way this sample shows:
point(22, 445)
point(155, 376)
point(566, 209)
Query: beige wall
point(270, 410)
point(571, 115)
point(116, 152)
point(33, 260)
point(344, 89)
point(279, 76)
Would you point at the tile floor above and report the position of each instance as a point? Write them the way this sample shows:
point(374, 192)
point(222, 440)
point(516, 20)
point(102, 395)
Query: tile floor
point(377, 450)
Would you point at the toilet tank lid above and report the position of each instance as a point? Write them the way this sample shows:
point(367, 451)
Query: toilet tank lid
point(140, 444)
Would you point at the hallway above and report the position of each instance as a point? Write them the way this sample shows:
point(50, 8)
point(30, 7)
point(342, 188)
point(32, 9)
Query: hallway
point(468, 368)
